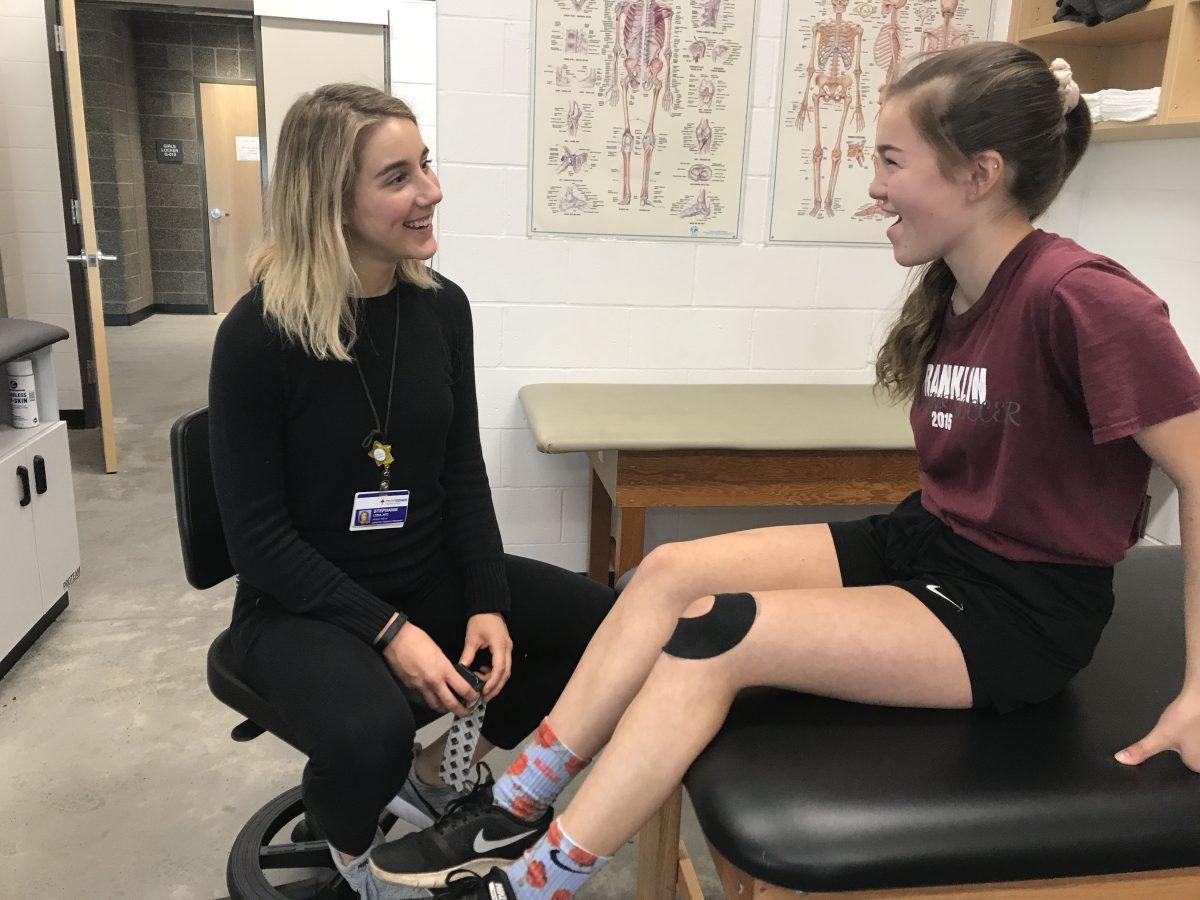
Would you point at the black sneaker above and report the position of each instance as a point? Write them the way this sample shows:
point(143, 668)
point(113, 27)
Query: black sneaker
point(463, 884)
point(420, 804)
point(474, 834)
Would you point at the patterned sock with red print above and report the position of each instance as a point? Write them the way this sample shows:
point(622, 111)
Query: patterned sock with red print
point(536, 777)
point(554, 868)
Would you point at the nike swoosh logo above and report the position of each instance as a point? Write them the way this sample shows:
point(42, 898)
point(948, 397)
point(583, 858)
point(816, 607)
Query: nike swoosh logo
point(557, 857)
point(933, 588)
point(482, 845)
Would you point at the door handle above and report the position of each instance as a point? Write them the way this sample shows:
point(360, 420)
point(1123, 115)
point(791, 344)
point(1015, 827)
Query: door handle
point(92, 260)
point(23, 475)
point(39, 474)
point(215, 213)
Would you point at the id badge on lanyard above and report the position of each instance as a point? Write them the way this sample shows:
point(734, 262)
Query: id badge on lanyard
point(377, 510)
point(384, 508)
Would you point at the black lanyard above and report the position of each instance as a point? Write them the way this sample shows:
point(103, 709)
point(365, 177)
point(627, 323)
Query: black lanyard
point(376, 442)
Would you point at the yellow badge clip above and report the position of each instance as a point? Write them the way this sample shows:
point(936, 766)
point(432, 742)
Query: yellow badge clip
point(381, 454)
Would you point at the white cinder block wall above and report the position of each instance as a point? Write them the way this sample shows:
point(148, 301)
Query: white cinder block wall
point(555, 309)
point(33, 243)
point(575, 310)
point(1140, 204)
point(413, 36)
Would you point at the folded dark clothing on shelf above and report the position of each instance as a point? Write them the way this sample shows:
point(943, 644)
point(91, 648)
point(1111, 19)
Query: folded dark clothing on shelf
point(1093, 12)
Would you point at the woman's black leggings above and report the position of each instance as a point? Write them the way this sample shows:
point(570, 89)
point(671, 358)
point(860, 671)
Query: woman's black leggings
point(350, 716)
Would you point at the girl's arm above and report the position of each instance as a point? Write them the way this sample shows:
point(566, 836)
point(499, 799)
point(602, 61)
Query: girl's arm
point(1175, 446)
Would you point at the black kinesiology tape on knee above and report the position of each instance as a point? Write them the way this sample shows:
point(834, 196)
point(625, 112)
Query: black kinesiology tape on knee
point(718, 630)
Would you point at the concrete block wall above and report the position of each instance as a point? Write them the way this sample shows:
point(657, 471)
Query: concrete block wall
point(171, 52)
point(554, 309)
point(106, 59)
point(33, 241)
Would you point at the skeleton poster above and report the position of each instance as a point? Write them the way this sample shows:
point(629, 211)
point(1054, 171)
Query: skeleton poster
point(639, 117)
point(839, 57)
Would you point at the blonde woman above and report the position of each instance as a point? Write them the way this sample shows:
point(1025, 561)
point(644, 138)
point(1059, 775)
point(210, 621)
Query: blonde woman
point(352, 489)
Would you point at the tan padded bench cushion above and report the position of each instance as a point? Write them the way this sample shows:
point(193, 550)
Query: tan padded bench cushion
point(573, 417)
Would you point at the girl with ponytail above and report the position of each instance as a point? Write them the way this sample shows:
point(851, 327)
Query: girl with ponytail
point(1043, 381)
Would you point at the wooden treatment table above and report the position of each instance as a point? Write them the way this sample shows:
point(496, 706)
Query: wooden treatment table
point(663, 445)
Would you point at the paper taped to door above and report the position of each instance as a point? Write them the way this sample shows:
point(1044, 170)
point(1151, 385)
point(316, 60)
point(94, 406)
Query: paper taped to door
point(247, 148)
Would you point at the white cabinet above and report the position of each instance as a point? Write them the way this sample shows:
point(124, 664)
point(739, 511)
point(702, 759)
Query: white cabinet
point(53, 505)
point(20, 582)
point(39, 543)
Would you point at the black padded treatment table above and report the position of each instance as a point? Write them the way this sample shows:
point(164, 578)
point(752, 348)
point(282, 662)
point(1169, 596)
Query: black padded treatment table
point(800, 793)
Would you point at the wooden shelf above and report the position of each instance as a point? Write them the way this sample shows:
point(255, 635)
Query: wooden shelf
point(1151, 129)
point(1152, 47)
point(1149, 23)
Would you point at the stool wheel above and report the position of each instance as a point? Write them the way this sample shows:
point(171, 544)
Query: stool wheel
point(306, 830)
point(253, 855)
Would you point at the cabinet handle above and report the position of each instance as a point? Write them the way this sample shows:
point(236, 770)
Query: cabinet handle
point(23, 474)
point(39, 474)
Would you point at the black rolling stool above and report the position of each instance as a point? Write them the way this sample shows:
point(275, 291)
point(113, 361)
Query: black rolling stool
point(206, 562)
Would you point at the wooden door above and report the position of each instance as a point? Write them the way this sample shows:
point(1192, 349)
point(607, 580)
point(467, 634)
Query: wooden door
point(90, 257)
point(233, 185)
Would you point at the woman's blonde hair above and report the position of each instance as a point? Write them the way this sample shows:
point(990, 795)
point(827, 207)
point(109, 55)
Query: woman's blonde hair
point(986, 96)
point(303, 262)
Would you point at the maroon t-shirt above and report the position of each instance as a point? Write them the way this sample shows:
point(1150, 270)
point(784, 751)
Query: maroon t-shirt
point(1023, 423)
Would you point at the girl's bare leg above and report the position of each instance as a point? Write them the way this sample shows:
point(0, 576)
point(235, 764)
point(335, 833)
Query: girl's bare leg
point(628, 643)
point(875, 645)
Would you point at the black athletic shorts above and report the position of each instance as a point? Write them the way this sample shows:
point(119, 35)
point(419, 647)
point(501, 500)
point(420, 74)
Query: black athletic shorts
point(1025, 628)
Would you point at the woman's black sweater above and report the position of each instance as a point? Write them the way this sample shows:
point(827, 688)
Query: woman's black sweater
point(286, 433)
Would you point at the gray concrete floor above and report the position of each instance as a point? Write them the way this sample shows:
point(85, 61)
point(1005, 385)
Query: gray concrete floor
point(117, 774)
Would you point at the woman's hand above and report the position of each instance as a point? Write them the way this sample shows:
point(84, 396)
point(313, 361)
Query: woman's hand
point(1178, 729)
point(487, 631)
point(421, 666)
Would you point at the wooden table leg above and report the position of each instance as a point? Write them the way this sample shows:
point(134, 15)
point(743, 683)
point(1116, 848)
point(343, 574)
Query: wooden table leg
point(631, 539)
point(599, 531)
point(689, 882)
point(658, 851)
point(658, 841)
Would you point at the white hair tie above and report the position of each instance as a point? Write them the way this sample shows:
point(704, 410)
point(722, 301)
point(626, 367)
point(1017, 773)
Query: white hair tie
point(1068, 90)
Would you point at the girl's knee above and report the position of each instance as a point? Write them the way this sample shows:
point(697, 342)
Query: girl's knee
point(664, 562)
point(711, 627)
point(660, 577)
point(699, 607)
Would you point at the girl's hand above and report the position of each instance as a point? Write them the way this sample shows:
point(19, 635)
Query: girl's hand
point(487, 631)
point(1178, 729)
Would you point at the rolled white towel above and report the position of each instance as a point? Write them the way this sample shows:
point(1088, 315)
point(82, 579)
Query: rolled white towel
point(1130, 106)
point(1117, 105)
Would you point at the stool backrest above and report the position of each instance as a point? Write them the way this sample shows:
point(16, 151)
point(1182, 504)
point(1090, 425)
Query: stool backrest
point(201, 537)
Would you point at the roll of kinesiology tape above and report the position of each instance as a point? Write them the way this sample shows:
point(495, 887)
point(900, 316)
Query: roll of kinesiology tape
point(464, 736)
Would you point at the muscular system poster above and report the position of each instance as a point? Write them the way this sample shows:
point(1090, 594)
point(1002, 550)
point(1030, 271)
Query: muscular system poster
point(838, 58)
point(640, 114)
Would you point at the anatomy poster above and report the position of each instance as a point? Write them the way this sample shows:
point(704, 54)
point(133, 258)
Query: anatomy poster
point(640, 116)
point(839, 57)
